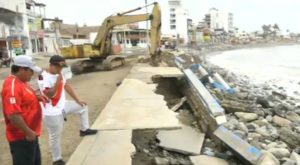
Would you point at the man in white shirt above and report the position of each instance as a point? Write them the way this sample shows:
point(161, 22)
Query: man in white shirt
point(54, 86)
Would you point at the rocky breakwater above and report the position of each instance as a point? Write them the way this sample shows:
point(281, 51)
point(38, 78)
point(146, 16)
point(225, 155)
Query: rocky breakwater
point(262, 115)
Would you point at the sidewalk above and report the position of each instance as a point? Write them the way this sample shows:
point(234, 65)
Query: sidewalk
point(134, 106)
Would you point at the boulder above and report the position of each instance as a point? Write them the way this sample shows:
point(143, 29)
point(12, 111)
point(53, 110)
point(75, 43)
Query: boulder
point(232, 123)
point(290, 137)
point(280, 95)
point(295, 157)
point(246, 116)
point(161, 161)
point(280, 110)
point(293, 116)
point(243, 127)
point(269, 132)
point(252, 127)
point(282, 122)
point(263, 101)
point(262, 122)
point(287, 161)
point(233, 106)
point(252, 136)
point(280, 152)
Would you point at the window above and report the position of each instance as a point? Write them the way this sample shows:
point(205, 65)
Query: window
point(173, 27)
point(174, 3)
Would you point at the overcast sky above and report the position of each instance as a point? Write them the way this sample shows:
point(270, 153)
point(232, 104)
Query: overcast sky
point(249, 15)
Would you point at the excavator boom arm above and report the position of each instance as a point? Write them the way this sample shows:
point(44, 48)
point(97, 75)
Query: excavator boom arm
point(103, 37)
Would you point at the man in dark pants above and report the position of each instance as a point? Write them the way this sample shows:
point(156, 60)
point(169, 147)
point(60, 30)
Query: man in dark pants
point(22, 113)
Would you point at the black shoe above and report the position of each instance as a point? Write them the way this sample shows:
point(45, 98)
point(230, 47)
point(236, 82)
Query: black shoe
point(88, 132)
point(59, 162)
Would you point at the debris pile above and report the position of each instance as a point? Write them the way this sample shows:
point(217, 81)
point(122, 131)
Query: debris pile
point(265, 119)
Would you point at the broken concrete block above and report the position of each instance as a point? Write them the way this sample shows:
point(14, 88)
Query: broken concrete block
point(177, 106)
point(212, 105)
point(185, 140)
point(268, 159)
point(221, 119)
point(205, 160)
point(244, 150)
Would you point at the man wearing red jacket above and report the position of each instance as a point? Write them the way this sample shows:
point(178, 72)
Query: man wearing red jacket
point(22, 113)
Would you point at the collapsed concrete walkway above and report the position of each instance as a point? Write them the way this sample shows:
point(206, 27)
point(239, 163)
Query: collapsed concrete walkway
point(134, 105)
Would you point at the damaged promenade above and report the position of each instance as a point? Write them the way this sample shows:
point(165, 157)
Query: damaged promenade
point(171, 115)
point(175, 114)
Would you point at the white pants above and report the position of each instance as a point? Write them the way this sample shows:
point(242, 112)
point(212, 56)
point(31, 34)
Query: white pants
point(55, 125)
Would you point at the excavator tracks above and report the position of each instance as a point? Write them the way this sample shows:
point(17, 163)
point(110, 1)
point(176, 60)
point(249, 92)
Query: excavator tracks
point(92, 65)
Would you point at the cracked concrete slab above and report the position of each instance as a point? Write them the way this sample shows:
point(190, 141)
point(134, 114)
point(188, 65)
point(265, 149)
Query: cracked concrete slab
point(185, 140)
point(204, 160)
point(145, 72)
point(134, 105)
point(105, 148)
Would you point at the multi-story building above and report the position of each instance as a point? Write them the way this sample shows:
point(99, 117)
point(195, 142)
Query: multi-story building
point(14, 32)
point(219, 20)
point(177, 25)
point(36, 13)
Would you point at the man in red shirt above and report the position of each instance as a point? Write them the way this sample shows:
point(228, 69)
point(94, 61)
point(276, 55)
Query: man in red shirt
point(22, 113)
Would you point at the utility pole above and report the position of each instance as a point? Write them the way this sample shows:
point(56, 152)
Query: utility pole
point(147, 25)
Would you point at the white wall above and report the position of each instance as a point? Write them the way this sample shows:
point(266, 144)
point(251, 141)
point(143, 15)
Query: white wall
point(18, 6)
point(4, 30)
point(13, 5)
point(181, 21)
point(219, 19)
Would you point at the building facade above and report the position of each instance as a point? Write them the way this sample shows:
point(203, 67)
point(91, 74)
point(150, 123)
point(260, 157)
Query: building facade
point(14, 31)
point(177, 23)
point(218, 19)
point(36, 12)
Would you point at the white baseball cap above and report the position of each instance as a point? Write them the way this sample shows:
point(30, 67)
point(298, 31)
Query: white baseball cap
point(26, 61)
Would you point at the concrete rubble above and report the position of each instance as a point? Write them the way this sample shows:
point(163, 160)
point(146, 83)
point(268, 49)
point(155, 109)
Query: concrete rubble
point(134, 105)
point(250, 126)
point(246, 152)
point(268, 159)
point(185, 140)
point(205, 160)
point(178, 105)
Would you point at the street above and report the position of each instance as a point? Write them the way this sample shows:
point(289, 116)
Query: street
point(95, 88)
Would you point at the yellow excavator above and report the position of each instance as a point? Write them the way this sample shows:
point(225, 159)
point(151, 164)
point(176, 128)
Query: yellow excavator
point(100, 53)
